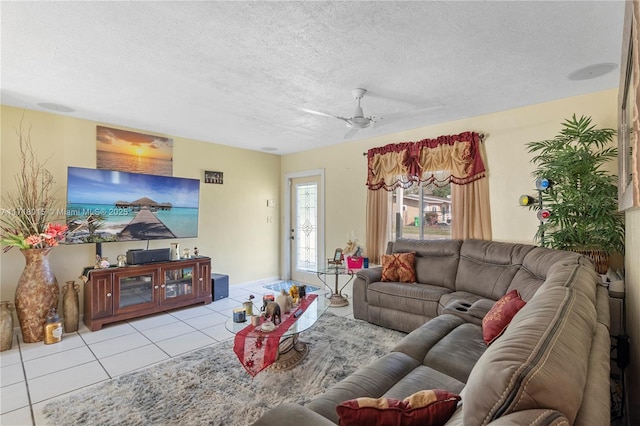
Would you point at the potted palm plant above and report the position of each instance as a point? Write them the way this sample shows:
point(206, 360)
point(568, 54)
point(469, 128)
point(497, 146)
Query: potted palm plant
point(583, 196)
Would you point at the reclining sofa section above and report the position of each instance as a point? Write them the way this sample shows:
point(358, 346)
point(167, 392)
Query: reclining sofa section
point(549, 367)
point(463, 278)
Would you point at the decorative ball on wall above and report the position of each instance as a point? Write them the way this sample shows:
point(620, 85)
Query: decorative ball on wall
point(543, 215)
point(543, 184)
point(527, 200)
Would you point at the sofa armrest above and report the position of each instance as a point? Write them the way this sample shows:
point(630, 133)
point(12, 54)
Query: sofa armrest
point(470, 312)
point(481, 307)
point(370, 275)
point(364, 277)
point(420, 341)
point(531, 417)
point(291, 414)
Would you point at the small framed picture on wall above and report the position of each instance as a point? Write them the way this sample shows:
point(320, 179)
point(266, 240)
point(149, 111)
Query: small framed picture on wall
point(213, 177)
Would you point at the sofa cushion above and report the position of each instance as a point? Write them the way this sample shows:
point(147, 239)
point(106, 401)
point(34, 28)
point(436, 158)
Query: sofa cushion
point(421, 340)
point(487, 267)
point(425, 408)
point(500, 315)
point(420, 299)
point(536, 266)
point(541, 360)
point(436, 260)
point(446, 344)
point(399, 267)
point(457, 353)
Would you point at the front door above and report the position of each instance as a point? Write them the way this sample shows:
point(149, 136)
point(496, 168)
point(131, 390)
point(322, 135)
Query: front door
point(306, 227)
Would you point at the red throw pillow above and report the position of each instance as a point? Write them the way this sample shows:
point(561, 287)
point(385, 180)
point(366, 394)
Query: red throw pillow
point(399, 267)
point(500, 315)
point(424, 408)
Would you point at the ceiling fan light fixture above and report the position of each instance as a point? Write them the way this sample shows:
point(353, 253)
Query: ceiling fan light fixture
point(359, 122)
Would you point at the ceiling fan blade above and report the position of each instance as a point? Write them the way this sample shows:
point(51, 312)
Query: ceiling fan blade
point(350, 133)
point(323, 114)
point(397, 116)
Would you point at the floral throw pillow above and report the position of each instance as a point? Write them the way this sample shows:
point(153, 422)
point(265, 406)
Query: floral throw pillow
point(500, 315)
point(431, 407)
point(399, 267)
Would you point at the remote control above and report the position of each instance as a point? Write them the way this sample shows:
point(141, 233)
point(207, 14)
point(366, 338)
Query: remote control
point(298, 313)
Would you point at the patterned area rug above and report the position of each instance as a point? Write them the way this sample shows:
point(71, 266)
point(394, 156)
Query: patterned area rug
point(209, 386)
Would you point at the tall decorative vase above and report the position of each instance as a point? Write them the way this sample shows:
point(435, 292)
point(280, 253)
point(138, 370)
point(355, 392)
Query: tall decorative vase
point(70, 306)
point(36, 294)
point(6, 325)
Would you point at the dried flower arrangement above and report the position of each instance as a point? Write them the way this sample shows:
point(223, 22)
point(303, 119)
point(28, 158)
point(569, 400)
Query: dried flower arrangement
point(29, 211)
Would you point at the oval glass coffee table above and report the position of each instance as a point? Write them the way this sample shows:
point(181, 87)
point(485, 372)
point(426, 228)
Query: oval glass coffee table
point(291, 350)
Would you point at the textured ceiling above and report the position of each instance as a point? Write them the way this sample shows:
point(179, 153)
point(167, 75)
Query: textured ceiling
point(238, 73)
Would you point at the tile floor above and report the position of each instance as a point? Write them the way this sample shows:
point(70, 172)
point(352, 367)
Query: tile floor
point(32, 374)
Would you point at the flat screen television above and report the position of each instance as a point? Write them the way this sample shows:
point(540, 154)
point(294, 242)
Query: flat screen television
point(109, 205)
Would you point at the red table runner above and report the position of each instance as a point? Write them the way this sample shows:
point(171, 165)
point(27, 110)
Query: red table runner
point(257, 349)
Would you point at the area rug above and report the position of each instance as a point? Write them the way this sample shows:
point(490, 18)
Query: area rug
point(209, 386)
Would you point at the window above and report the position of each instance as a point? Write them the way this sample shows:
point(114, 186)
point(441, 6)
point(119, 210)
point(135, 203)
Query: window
point(435, 220)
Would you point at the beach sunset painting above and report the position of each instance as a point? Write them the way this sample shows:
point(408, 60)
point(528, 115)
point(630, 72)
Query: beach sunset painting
point(128, 151)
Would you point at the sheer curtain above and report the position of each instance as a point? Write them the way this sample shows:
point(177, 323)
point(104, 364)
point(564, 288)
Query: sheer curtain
point(406, 163)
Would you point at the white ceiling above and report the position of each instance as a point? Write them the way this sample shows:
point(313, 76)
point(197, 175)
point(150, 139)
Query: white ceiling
point(238, 73)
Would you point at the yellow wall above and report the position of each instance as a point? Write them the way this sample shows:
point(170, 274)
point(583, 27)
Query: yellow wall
point(233, 228)
point(508, 163)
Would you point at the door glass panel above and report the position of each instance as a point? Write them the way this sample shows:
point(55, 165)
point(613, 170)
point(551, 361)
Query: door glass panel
point(136, 290)
point(178, 282)
point(306, 209)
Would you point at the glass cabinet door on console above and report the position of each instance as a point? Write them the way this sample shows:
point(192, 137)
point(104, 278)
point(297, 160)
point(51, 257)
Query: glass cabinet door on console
point(204, 280)
point(134, 291)
point(178, 283)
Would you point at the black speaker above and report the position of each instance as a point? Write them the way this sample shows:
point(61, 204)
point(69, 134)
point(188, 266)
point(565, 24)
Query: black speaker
point(622, 349)
point(140, 257)
point(219, 286)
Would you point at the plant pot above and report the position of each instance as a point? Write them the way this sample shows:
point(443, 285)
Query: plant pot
point(599, 258)
point(36, 294)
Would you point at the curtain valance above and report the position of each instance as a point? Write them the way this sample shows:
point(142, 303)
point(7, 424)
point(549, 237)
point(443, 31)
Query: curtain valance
point(402, 164)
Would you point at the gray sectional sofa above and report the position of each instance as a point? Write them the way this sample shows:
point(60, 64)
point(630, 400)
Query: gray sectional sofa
point(549, 367)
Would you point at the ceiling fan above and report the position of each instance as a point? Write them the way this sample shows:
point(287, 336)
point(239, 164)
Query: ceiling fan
point(359, 121)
